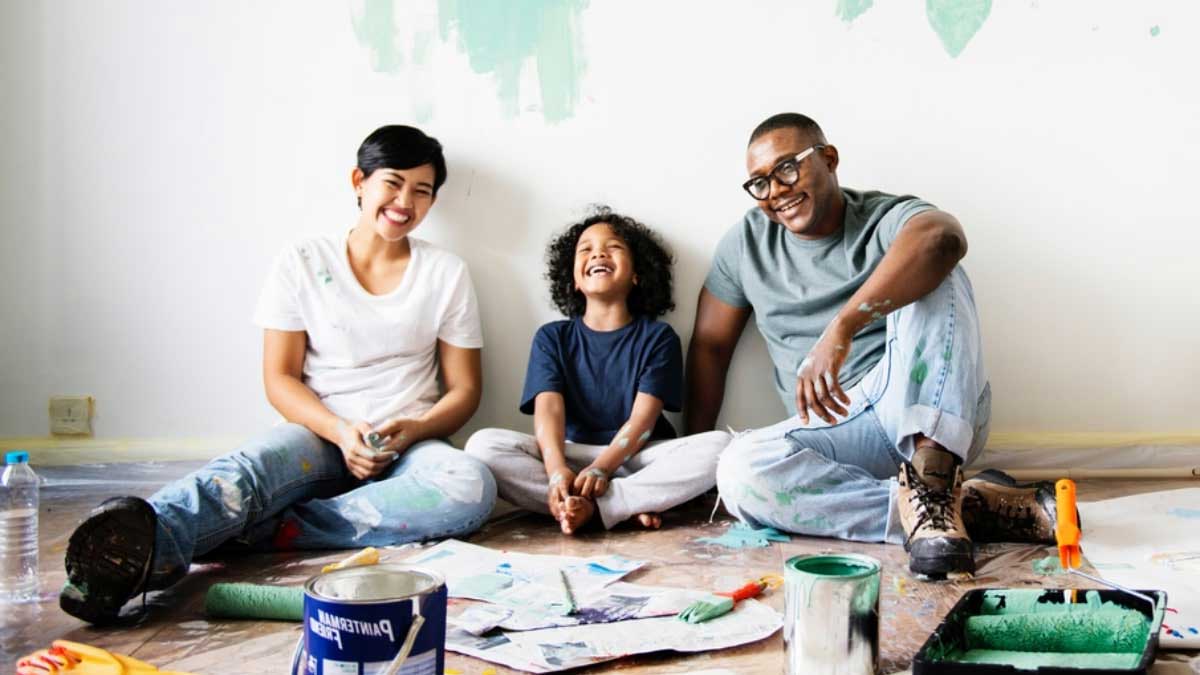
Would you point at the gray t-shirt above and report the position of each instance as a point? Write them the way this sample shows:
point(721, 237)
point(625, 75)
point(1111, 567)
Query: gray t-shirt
point(797, 286)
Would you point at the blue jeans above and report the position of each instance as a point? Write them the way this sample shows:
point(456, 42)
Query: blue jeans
point(289, 488)
point(838, 480)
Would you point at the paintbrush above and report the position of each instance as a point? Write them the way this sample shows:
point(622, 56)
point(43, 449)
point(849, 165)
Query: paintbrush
point(1067, 534)
point(568, 596)
point(704, 610)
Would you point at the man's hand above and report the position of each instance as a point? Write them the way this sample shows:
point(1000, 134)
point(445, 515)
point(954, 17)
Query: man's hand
point(592, 482)
point(361, 461)
point(817, 385)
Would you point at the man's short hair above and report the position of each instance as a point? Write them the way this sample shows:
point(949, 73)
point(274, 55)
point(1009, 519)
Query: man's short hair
point(788, 120)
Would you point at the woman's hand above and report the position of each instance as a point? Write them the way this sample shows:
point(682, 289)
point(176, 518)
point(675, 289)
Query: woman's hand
point(400, 433)
point(361, 461)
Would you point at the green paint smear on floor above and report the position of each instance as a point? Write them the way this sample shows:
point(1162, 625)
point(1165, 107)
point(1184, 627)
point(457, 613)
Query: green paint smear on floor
point(499, 37)
point(1048, 566)
point(957, 21)
point(849, 10)
point(375, 30)
point(743, 536)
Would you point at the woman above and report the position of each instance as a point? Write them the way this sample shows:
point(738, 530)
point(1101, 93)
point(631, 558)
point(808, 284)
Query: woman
point(358, 328)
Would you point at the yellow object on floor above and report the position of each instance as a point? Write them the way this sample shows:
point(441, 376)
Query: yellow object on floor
point(80, 659)
point(367, 556)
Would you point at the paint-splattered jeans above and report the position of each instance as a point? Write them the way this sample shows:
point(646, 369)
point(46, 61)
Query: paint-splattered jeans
point(289, 488)
point(839, 480)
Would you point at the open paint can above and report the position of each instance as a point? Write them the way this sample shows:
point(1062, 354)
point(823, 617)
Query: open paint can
point(372, 620)
point(831, 614)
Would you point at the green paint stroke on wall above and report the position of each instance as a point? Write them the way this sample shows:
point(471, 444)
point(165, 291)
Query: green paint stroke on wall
point(1154, 31)
point(375, 30)
point(957, 21)
point(499, 37)
point(849, 10)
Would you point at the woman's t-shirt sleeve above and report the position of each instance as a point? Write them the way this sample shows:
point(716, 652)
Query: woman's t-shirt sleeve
point(278, 303)
point(460, 324)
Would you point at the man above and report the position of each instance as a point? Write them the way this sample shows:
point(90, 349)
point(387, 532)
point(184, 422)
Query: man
point(872, 328)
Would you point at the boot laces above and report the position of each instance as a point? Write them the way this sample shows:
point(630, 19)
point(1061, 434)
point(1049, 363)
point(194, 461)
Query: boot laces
point(932, 506)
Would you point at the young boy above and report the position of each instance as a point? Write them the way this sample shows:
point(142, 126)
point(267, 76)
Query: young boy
point(597, 384)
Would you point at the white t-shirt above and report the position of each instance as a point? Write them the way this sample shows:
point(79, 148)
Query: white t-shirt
point(371, 357)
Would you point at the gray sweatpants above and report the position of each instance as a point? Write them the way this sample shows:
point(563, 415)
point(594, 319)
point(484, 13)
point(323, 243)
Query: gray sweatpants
point(664, 474)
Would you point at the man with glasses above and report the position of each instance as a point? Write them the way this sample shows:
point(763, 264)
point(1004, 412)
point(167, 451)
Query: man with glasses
point(872, 328)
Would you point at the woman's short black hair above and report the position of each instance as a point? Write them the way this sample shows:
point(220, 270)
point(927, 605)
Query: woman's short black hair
point(396, 146)
point(650, 297)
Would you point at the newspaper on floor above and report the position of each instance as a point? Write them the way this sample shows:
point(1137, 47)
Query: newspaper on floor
point(523, 621)
point(1149, 542)
point(518, 579)
point(550, 650)
point(619, 601)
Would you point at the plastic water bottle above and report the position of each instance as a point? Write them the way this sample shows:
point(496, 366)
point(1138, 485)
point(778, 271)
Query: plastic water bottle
point(18, 529)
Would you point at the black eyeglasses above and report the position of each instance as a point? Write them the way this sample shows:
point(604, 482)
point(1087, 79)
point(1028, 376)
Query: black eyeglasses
point(786, 172)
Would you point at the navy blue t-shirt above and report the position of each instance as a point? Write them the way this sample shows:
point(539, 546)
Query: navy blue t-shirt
point(600, 373)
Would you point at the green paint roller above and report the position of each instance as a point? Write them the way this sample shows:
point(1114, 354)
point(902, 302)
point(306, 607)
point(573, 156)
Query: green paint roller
point(254, 601)
point(1088, 631)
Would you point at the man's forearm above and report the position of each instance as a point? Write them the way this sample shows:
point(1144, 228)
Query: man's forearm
point(706, 369)
point(920, 258)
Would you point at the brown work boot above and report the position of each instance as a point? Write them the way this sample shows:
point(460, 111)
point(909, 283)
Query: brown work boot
point(996, 508)
point(930, 504)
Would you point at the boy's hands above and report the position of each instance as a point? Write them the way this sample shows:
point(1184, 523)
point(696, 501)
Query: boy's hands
point(562, 481)
point(361, 461)
point(592, 482)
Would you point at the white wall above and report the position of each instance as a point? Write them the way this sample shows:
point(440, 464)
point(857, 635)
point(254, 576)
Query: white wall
point(157, 155)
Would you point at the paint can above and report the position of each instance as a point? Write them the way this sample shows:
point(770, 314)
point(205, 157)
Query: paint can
point(360, 620)
point(831, 614)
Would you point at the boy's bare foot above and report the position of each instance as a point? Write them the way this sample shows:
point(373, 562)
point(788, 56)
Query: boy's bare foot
point(650, 521)
point(575, 512)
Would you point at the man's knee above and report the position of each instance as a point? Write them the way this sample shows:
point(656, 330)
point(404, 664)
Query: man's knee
point(735, 468)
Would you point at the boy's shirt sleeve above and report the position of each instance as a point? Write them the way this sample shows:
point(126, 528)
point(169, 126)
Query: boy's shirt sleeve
point(544, 372)
point(662, 374)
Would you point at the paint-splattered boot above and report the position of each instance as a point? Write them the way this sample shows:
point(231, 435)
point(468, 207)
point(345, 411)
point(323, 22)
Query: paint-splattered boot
point(996, 508)
point(930, 506)
point(108, 559)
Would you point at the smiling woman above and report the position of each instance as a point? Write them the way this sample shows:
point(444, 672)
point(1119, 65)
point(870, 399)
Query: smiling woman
point(359, 327)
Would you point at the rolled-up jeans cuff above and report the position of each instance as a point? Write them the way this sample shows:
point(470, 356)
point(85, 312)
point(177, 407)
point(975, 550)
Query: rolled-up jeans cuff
point(894, 533)
point(950, 431)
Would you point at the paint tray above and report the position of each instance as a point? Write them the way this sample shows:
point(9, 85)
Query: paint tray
point(1091, 635)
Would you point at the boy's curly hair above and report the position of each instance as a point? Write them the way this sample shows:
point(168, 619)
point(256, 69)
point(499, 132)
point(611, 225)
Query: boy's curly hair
point(650, 297)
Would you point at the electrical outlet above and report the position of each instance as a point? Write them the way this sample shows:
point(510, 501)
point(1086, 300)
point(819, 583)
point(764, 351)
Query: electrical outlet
point(71, 415)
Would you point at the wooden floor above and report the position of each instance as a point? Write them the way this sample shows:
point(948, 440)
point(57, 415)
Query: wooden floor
point(174, 633)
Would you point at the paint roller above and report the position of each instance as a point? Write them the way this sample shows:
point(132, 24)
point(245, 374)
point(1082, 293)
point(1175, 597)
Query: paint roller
point(281, 603)
point(1088, 631)
point(254, 601)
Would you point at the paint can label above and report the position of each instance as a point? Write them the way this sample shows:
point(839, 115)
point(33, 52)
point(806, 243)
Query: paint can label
point(356, 620)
